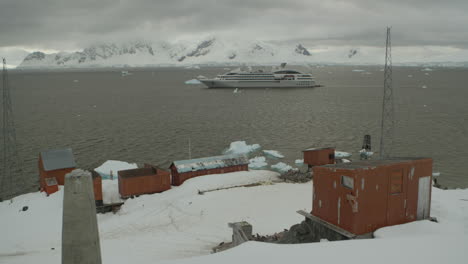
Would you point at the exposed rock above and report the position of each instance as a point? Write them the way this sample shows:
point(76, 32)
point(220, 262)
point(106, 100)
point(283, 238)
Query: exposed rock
point(37, 55)
point(201, 49)
point(302, 50)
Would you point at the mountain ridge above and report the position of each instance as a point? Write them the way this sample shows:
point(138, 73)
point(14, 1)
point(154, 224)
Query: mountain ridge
point(139, 53)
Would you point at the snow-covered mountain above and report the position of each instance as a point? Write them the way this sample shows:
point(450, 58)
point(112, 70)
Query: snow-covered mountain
point(207, 51)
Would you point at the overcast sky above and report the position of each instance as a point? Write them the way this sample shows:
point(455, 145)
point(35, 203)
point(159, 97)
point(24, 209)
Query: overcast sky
point(73, 24)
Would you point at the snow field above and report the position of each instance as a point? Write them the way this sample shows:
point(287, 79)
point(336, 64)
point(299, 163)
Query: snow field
point(171, 225)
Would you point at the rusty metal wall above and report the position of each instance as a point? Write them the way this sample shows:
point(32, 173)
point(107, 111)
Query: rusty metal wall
point(179, 178)
point(144, 184)
point(319, 156)
point(97, 186)
point(382, 195)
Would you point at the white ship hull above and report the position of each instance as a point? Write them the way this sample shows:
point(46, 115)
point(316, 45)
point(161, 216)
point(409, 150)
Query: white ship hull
point(216, 83)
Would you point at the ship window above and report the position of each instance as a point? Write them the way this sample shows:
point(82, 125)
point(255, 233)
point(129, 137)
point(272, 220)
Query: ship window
point(347, 182)
point(287, 72)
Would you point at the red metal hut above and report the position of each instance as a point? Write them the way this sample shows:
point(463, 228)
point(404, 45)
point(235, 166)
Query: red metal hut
point(146, 180)
point(319, 156)
point(183, 170)
point(97, 186)
point(55, 164)
point(363, 196)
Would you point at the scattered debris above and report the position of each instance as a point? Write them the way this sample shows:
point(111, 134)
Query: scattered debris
point(296, 176)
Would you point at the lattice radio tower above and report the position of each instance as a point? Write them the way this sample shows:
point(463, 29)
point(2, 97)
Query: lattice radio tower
point(11, 174)
point(387, 126)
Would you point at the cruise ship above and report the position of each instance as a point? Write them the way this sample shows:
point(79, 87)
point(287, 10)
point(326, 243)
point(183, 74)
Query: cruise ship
point(284, 78)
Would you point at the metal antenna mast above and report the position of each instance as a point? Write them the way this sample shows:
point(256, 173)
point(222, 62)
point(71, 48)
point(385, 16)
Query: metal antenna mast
point(11, 171)
point(387, 126)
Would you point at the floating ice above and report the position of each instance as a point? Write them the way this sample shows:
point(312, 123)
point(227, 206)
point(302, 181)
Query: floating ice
point(236, 90)
point(75, 81)
point(257, 162)
point(358, 70)
point(435, 174)
point(125, 73)
point(342, 154)
point(426, 73)
point(282, 167)
point(365, 153)
point(427, 69)
point(424, 86)
point(112, 167)
point(240, 147)
point(193, 81)
point(273, 153)
point(345, 160)
point(410, 76)
point(201, 77)
point(299, 161)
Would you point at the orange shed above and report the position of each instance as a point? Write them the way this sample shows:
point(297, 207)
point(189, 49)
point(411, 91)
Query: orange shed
point(319, 156)
point(97, 186)
point(55, 164)
point(143, 181)
point(363, 196)
point(50, 186)
point(183, 170)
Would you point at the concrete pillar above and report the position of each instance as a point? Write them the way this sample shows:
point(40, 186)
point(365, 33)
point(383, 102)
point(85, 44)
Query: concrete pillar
point(80, 235)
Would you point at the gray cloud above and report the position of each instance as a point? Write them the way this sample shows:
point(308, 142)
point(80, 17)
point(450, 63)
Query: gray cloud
point(71, 24)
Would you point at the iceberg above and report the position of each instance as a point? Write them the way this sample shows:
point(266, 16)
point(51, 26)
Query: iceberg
point(257, 162)
point(240, 147)
point(342, 155)
point(282, 167)
point(273, 153)
point(111, 168)
point(193, 81)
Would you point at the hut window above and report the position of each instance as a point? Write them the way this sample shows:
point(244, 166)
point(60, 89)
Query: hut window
point(331, 156)
point(347, 182)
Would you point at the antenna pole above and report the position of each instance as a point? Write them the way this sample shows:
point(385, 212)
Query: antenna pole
point(11, 178)
point(387, 125)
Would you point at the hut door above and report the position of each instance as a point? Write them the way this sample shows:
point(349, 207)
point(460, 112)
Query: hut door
point(423, 197)
point(396, 198)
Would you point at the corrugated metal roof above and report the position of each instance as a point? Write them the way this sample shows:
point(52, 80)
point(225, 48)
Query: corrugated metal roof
point(210, 163)
point(317, 148)
point(370, 163)
point(58, 159)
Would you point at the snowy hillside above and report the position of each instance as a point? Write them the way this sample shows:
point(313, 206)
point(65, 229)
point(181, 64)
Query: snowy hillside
point(181, 226)
point(206, 51)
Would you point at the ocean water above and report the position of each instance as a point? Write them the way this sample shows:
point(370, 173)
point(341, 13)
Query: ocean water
point(150, 115)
